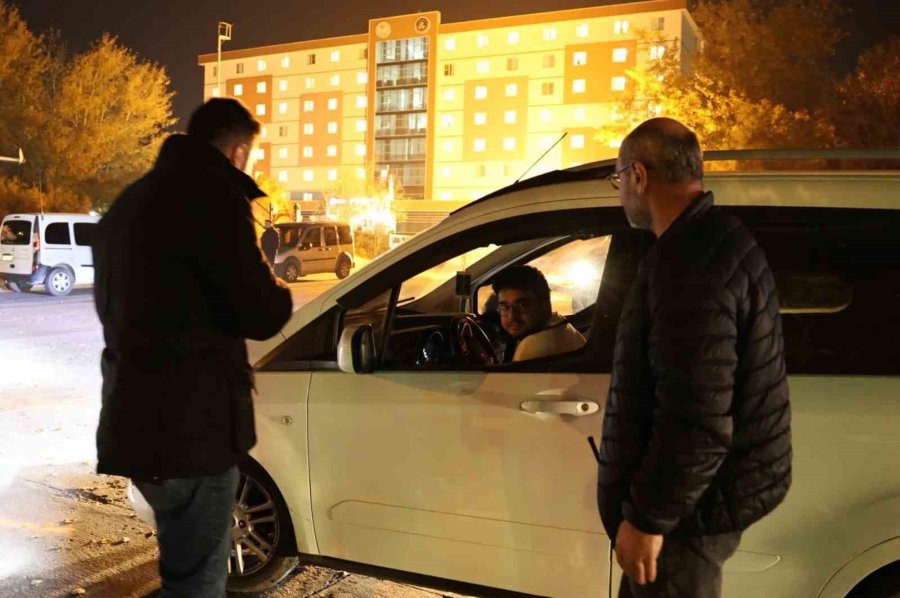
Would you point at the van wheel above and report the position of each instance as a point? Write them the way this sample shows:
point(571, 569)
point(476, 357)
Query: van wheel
point(263, 548)
point(59, 282)
point(18, 287)
point(292, 271)
point(342, 269)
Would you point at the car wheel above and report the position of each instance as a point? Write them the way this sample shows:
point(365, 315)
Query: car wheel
point(18, 287)
point(59, 282)
point(342, 269)
point(263, 549)
point(292, 271)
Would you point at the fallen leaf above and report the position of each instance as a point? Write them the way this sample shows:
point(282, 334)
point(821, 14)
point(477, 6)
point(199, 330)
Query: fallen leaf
point(37, 582)
point(54, 549)
point(69, 521)
point(122, 540)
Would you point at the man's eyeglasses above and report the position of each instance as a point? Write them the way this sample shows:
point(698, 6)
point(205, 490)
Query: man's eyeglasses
point(615, 179)
point(518, 306)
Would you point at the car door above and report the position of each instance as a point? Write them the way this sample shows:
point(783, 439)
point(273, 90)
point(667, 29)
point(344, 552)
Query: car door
point(56, 245)
point(330, 248)
point(485, 477)
point(83, 259)
point(16, 245)
point(309, 250)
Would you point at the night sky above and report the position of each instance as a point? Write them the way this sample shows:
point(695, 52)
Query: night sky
point(174, 32)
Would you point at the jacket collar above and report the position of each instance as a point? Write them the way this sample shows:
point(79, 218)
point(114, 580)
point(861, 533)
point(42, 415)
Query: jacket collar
point(182, 152)
point(702, 204)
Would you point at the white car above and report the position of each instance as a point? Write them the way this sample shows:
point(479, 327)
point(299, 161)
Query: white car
point(392, 443)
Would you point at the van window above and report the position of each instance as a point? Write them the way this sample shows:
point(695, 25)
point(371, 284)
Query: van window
point(57, 234)
point(15, 232)
point(289, 237)
point(344, 235)
point(312, 237)
point(330, 236)
point(84, 233)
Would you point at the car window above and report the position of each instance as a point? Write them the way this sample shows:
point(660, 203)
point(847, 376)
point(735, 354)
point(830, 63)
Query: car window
point(427, 281)
point(15, 232)
point(84, 233)
point(344, 235)
point(57, 234)
point(312, 236)
point(330, 236)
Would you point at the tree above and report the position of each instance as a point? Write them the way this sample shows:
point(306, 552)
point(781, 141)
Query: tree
point(17, 198)
point(866, 110)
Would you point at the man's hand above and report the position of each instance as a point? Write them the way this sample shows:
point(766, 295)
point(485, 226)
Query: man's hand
point(636, 553)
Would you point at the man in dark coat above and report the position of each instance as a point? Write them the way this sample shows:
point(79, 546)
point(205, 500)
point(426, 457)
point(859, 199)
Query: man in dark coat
point(269, 242)
point(696, 441)
point(177, 412)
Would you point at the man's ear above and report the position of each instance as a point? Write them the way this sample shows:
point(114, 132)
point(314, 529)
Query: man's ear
point(640, 177)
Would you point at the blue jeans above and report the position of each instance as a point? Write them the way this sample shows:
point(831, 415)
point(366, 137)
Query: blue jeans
point(193, 520)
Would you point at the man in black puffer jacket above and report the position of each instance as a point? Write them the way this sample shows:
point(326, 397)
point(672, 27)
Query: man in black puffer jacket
point(176, 309)
point(696, 439)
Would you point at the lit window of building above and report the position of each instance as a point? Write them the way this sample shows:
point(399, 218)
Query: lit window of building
point(450, 44)
point(309, 105)
point(260, 153)
point(260, 110)
point(618, 83)
point(285, 62)
point(264, 132)
point(447, 146)
point(446, 172)
point(283, 153)
point(657, 23)
point(482, 67)
point(360, 149)
point(447, 120)
point(215, 92)
point(283, 85)
point(331, 151)
point(335, 80)
point(307, 151)
point(261, 65)
point(546, 115)
point(479, 145)
point(308, 128)
point(509, 143)
point(547, 88)
point(310, 82)
point(480, 118)
point(579, 113)
point(332, 103)
point(308, 176)
point(581, 30)
point(282, 108)
point(579, 58)
point(549, 34)
point(620, 54)
point(615, 143)
point(657, 52)
point(579, 85)
point(512, 90)
point(512, 37)
point(480, 92)
point(449, 95)
point(282, 176)
point(577, 142)
point(332, 128)
point(549, 61)
point(509, 117)
point(361, 101)
point(335, 56)
point(261, 87)
point(360, 126)
point(483, 41)
point(512, 64)
point(620, 27)
point(446, 195)
point(238, 90)
point(332, 174)
point(362, 78)
point(360, 173)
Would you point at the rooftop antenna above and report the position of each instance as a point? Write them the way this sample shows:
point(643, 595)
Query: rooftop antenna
point(561, 137)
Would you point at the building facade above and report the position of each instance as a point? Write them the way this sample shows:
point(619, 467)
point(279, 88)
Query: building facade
point(452, 110)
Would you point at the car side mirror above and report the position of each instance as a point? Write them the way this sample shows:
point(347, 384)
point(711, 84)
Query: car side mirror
point(356, 350)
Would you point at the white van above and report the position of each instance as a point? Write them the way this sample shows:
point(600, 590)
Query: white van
point(49, 249)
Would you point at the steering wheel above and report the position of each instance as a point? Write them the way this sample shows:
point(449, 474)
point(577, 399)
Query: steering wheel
point(471, 342)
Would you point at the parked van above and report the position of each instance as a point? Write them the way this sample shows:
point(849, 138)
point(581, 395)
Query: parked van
point(49, 249)
point(313, 247)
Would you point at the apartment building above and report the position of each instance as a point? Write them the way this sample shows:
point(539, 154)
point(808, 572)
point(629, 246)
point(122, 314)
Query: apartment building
point(452, 110)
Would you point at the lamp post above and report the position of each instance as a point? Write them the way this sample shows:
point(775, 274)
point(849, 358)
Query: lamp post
point(19, 160)
point(224, 35)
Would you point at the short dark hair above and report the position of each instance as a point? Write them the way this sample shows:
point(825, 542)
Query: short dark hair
point(223, 122)
point(666, 147)
point(523, 278)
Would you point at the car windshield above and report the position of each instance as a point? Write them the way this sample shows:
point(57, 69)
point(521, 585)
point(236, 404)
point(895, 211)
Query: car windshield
point(15, 232)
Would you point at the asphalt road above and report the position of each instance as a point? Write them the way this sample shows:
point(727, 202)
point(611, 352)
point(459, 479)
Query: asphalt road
point(64, 528)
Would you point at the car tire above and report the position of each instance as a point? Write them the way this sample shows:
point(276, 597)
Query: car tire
point(256, 490)
point(59, 282)
point(292, 270)
point(884, 583)
point(18, 287)
point(342, 268)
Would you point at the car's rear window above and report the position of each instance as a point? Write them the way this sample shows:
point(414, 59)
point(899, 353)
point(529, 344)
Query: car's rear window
point(15, 232)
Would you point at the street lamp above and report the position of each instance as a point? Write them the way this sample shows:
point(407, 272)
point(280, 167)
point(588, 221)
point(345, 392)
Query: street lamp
point(19, 160)
point(224, 36)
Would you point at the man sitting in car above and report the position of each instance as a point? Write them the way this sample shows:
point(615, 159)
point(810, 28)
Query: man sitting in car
point(523, 302)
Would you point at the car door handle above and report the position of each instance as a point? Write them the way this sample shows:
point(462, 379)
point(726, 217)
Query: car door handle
point(573, 408)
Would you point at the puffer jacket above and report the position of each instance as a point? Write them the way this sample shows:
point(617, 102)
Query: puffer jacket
point(696, 434)
point(180, 284)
